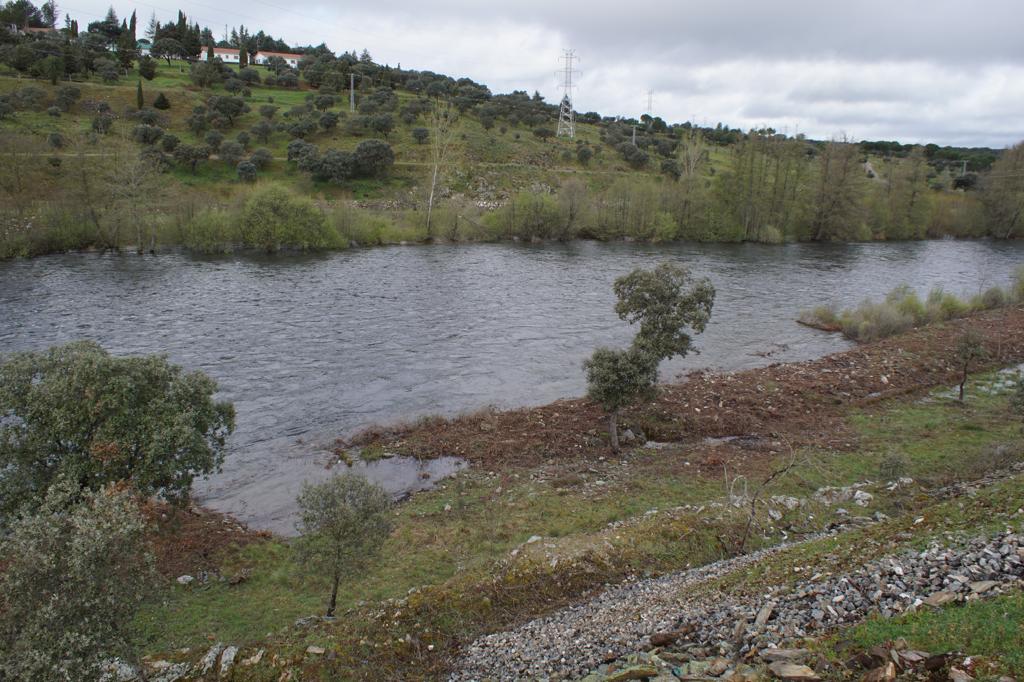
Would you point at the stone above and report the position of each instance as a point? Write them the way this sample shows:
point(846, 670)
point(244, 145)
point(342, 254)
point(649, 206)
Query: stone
point(254, 659)
point(240, 577)
point(785, 655)
point(209, 660)
point(982, 586)
point(315, 650)
point(633, 672)
point(862, 499)
point(533, 539)
point(763, 615)
point(664, 638)
point(885, 673)
point(957, 675)
point(185, 579)
point(717, 667)
point(792, 671)
point(227, 659)
point(940, 598)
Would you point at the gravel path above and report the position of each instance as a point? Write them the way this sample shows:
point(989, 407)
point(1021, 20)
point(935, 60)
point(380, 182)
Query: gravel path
point(578, 639)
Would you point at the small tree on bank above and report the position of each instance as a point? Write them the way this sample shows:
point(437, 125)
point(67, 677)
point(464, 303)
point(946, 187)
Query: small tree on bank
point(970, 350)
point(618, 379)
point(670, 305)
point(343, 524)
point(74, 576)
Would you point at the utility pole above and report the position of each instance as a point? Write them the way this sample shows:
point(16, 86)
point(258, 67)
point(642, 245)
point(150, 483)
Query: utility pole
point(566, 115)
point(351, 92)
point(650, 103)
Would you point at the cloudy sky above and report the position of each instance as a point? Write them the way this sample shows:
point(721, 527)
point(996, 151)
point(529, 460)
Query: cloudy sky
point(948, 71)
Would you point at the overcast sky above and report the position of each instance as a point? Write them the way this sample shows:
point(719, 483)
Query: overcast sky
point(948, 71)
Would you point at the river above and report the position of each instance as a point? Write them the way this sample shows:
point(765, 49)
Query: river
point(312, 347)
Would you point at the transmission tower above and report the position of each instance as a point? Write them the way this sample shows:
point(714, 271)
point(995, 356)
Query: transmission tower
point(566, 115)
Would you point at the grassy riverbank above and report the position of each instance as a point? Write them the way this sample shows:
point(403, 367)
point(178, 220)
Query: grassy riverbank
point(461, 563)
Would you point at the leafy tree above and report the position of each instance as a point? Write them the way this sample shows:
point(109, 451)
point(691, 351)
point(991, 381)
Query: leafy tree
point(421, 135)
point(191, 155)
point(666, 301)
point(66, 96)
point(51, 68)
point(231, 153)
point(268, 111)
point(324, 102)
point(102, 123)
point(334, 166)
point(343, 524)
point(161, 102)
point(243, 139)
point(246, 171)
point(262, 130)
point(233, 85)
point(261, 158)
point(147, 134)
point(108, 70)
point(382, 124)
point(147, 68)
point(228, 107)
point(213, 140)
point(205, 74)
point(374, 158)
point(249, 75)
point(167, 49)
point(329, 120)
point(169, 143)
point(670, 167)
point(77, 411)
point(618, 379)
point(74, 576)
point(1004, 193)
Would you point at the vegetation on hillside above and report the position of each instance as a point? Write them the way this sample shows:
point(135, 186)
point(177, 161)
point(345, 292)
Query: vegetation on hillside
point(97, 129)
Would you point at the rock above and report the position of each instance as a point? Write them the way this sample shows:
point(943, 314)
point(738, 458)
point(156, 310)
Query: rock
point(628, 436)
point(185, 579)
point(792, 671)
point(957, 675)
point(940, 598)
point(315, 650)
point(885, 673)
point(982, 586)
point(255, 658)
point(533, 539)
point(862, 499)
point(763, 615)
point(633, 672)
point(717, 667)
point(664, 638)
point(207, 662)
point(227, 660)
point(174, 673)
point(785, 655)
point(117, 670)
point(240, 577)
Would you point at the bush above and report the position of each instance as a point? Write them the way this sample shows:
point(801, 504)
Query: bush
point(147, 134)
point(169, 143)
point(161, 102)
point(212, 231)
point(53, 111)
point(261, 158)
point(246, 171)
point(74, 577)
point(213, 140)
point(231, 153)
point(147, 68)
point(421, 135)
point(76, 410)
point(275, 218)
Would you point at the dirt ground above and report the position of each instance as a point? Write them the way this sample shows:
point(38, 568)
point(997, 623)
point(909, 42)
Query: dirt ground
point(193, 540)
point(801, 403)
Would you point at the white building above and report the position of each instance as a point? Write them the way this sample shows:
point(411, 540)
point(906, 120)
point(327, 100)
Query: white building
point(290, 59)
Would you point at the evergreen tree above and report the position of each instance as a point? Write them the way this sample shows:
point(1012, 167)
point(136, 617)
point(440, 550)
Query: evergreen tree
point(140, 101)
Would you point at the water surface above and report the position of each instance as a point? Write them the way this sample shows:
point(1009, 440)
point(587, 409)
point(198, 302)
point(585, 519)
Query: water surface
point(312, 347)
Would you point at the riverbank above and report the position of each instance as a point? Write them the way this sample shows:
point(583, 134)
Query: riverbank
point(518, 537)
point(803, 403)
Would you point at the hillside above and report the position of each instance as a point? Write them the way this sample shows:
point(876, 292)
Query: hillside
point(167, 140)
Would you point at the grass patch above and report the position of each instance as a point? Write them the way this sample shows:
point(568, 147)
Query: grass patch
point(903, 310)
point(990, 628)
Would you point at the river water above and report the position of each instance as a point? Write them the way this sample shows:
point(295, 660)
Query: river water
point(312, 347)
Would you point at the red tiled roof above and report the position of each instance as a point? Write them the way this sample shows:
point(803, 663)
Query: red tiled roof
point(282, 55)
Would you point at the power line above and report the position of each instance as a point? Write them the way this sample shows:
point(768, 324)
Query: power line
point(566, 114)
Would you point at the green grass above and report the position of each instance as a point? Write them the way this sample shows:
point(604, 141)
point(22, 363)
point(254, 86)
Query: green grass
point(489, 516)
point(991, 628)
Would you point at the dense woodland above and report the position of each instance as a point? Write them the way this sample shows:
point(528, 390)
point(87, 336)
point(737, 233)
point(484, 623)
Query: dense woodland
point(112, 135)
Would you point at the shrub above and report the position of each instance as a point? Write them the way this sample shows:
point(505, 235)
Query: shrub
point(66, 97)
point(274, 218)
point(213, 140)
point(147, 68)
point(75, 410)
point(343, 524)
point(261, 158)
point(246, 171)
point(169, 143)
point(53, 111)
point(617, 379)
point(74, 577)
point(421, 135)
point(231, 153)
point(147, 134)
point(212, 231)
point(161, 102)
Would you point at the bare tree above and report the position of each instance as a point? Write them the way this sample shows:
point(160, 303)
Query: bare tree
point(443, 122)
